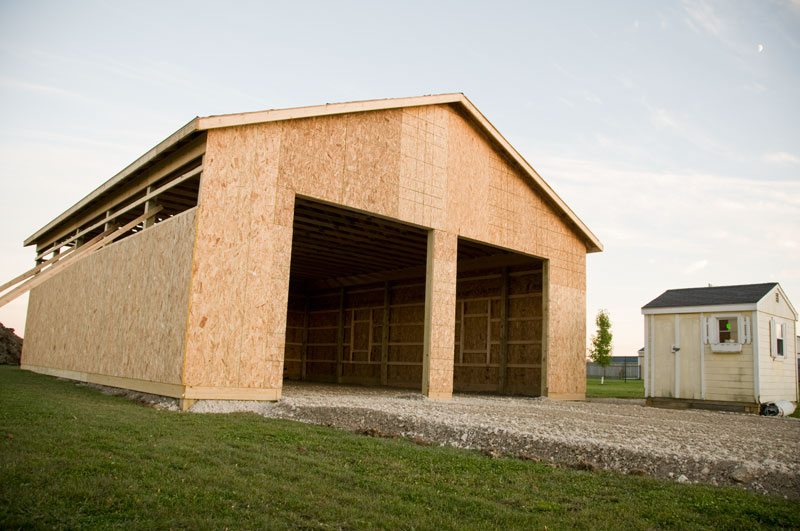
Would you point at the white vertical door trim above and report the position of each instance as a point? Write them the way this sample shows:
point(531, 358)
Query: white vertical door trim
point(652, 357)
point(702, 357)
point(756, 360)
point(677, 348)
point(647, 333)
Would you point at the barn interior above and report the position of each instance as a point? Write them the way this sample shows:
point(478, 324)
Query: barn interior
point(357, 304)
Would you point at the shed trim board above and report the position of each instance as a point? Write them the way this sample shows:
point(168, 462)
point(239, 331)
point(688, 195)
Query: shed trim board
point(756, 360)
point(699, 309)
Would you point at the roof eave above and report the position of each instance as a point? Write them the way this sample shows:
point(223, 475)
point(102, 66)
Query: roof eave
point(167, 143)
point(704, 308)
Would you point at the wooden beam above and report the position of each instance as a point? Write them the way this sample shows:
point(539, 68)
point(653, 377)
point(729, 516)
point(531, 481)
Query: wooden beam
point(195, 149)
point(496, 260)
point(94, 244)
point(340, 338)
point(124, 210)
point(504, 332)
point(304, 348)
point(31, 272)
point(148, 206)
point(369, 278)
point(385, 334)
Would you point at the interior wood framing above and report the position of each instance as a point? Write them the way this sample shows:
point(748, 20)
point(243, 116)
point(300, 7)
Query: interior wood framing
point(170, 180)
point(357, 300)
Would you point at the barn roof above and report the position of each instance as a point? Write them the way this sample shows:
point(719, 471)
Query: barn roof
point(711, 296)
point(200, 124)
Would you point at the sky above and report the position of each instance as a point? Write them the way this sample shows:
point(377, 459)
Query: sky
point(672, 129)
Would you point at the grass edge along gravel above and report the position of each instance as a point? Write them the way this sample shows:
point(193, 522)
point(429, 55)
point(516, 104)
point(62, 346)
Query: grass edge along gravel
point(73, 457)
point(613, 388)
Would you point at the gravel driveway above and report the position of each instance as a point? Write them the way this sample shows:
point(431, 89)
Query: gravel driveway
point(758, 453)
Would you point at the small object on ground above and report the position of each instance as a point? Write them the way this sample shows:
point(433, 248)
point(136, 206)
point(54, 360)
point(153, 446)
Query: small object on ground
point(419, 441)
point(637, 472)
point(742, 473)
point(682, 479)
point(587, 465)
point(9, 435)
point(781, 408)
point(490, 452)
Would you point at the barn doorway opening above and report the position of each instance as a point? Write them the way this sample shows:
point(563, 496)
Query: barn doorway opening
point(356, 310)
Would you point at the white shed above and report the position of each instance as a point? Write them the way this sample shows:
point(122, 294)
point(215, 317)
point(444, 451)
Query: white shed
point(721, 347)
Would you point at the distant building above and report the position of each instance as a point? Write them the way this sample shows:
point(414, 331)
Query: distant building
point(725, 347)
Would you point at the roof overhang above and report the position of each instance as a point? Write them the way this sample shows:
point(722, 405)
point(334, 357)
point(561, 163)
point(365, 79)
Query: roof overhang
point(165, 145)
point(716, 308)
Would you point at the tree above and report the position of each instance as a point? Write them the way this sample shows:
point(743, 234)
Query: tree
point(600, 351)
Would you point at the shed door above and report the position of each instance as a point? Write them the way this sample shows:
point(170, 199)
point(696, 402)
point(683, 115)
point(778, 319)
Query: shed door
point(690, 385)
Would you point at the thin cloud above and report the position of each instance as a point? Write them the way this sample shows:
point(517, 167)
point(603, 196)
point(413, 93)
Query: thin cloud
point(701, 18)
point(27, 86)
point(694, 267)
point(781, 158)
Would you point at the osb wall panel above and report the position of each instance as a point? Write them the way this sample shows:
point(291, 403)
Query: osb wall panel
point(351, 159)
point(506, 210)
point(440, 315)
point(422, 165)
point(120, 311)
point(240, 280)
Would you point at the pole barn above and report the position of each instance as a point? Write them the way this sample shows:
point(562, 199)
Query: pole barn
point(398, 242)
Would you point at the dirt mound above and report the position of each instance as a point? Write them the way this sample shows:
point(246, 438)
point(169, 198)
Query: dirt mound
point(10, 346)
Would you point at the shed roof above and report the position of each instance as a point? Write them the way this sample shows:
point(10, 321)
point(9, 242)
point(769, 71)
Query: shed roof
point(711, 296)
point(200, 124)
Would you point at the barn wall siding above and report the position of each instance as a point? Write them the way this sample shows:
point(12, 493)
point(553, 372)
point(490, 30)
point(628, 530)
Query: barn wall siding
point(120, 312)
point(422, 165)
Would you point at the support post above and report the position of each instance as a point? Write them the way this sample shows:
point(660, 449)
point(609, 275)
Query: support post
point(440, 315)
point(340, 338)
point(304, 347)
point(385, 335)
point(149, 205)
point(504, 333)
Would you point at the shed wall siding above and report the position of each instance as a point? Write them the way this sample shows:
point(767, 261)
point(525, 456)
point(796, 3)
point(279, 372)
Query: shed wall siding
point(777, 377)
point(730, 375)
point(119, 312)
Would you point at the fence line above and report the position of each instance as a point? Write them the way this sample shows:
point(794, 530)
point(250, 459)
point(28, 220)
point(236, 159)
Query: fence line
point(615, 371)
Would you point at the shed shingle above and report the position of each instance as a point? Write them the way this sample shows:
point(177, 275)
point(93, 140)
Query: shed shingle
point(711, 296)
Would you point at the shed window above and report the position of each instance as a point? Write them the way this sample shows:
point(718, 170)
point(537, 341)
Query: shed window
point(728, 332)
point(778, 330)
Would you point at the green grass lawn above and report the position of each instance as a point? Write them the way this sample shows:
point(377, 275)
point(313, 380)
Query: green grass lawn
point(614, 388)
point(71, 457)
